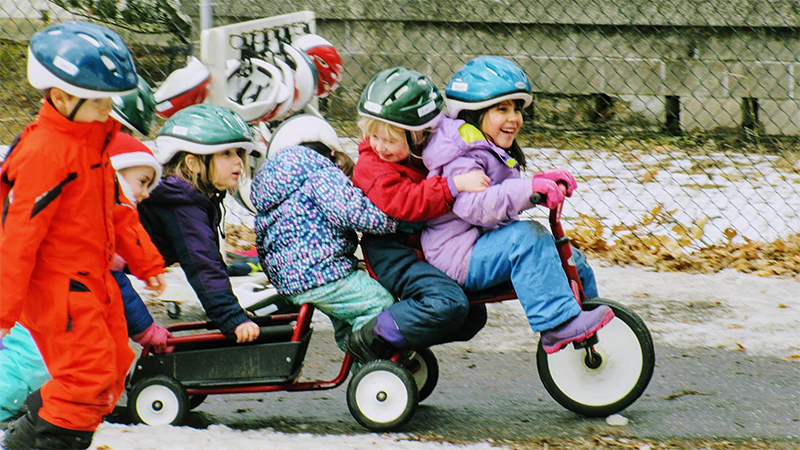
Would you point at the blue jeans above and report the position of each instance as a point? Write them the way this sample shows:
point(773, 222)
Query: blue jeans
point(350, 302)
point(524, 252)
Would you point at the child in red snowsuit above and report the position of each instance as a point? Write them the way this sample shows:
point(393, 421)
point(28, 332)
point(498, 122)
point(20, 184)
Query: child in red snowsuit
point(59, 234)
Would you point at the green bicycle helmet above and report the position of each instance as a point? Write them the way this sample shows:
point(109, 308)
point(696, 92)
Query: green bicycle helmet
point(136, 111)
point(203, 130)
point(402, 97)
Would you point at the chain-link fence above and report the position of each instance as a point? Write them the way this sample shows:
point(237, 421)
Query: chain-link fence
point(681, 119)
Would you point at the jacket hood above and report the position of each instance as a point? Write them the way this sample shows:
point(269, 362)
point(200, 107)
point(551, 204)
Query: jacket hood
point(286, 173)
point(450, 141)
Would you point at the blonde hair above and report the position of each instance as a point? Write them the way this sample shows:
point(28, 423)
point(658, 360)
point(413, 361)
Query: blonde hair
point(369, 126)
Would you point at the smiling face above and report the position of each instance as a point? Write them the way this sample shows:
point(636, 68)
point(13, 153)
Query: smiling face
point(389, 143)
point(139, 179)
point(226, 168)
point(501, 123)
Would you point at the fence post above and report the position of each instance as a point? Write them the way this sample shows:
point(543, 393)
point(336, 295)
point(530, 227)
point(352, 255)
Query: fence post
point(206, 14)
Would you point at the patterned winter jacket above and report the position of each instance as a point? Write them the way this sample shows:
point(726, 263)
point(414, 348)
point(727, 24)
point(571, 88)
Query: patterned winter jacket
point(308, 213)
point(455, 148)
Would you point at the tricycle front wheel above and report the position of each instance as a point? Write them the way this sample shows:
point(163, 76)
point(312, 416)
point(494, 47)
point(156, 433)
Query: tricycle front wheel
point(610, 376)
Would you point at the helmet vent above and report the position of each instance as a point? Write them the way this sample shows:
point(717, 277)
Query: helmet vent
point(400, 92)
point(65, 65)
point(89, 39)
point(109, 63)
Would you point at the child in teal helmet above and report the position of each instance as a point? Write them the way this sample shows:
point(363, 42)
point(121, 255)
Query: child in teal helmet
point(202, 149)
point(308, 214)
point(481, 242)
point(59, 233)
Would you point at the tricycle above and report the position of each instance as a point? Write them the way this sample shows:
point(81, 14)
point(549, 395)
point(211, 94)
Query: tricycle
point(596, 377)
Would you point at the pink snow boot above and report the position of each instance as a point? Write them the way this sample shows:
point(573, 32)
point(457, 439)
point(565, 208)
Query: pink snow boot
point(580, 327)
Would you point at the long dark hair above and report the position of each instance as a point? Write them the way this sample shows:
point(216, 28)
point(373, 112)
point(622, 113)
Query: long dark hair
point(474, 118)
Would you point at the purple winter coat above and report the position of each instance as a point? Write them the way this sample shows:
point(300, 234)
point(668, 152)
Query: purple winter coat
point(447, 241)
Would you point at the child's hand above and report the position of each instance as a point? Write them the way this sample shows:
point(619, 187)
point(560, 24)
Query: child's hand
point(551, 190)
point(560, 176)
point(155, 336)
point(156, 284)
point(474, 181)
point(4, 332)
point(247, 331)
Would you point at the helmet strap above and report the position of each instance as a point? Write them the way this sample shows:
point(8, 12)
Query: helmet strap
point(78, 105)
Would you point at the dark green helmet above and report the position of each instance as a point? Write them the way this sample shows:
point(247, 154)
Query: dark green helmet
point(137, 110)
point(203, 130)
point(402, 97)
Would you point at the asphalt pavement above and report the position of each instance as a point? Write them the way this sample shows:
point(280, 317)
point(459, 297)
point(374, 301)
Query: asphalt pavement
point(694, 393)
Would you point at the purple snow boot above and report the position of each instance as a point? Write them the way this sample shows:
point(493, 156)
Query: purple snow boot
point(580, 327)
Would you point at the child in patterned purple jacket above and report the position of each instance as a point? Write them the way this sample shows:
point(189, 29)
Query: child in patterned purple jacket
point(308, 214)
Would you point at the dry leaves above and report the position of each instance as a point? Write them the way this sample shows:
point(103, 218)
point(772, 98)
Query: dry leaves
point(682, 248)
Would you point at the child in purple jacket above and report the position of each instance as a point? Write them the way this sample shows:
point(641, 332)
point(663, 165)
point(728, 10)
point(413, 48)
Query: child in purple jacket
point(481, 242)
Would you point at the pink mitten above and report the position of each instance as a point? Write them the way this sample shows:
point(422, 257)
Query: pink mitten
point(156, 337)
point(550, 189)
point(560, 175)
point(118, 264)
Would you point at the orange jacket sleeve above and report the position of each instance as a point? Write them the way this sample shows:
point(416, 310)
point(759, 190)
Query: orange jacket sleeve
point(132, 241)
point(30, 193)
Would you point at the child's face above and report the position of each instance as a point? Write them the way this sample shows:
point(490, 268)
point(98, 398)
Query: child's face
point(227, 168)
point(502, 123)
point(92, 110)
point(139, 178)
point(388, 148)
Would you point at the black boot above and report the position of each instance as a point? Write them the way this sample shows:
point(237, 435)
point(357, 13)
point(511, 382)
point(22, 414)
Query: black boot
point(20, 435)
point(365, 346)
point(32, 432)
point(50, 436)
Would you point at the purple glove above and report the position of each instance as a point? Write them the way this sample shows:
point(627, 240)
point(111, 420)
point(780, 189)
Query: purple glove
point(155, 337)
point(550, 189)
point(560, 175)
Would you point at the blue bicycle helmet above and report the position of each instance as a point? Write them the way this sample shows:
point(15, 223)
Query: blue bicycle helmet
point(83, 59)
point(485, 81)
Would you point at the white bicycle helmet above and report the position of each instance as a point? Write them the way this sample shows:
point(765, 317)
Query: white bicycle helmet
point(256, 94)
point(284, 109)
point(303, 128)
point(82, 59)
point(183, 87)
point(305, 76)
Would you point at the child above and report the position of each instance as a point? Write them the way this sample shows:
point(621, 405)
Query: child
point(481, 242)
point(201, 148)
point(307, 217)
point(22, 366)
point(398, 109)
point(59, 234)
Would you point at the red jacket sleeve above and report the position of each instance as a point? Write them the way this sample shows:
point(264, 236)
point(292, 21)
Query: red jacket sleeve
point(133, 243)
point(400, 191)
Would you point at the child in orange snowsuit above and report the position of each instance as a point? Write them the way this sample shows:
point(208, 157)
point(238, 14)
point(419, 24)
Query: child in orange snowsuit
point(59, 234)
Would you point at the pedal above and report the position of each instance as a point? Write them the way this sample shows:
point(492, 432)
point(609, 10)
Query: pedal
point(586, 343)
